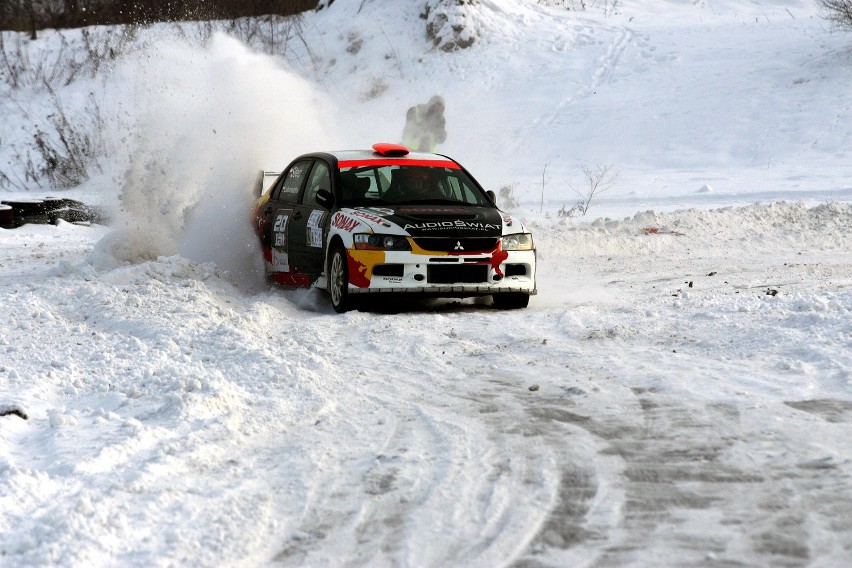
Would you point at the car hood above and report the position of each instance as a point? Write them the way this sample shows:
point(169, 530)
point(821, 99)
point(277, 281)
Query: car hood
point(437, 220)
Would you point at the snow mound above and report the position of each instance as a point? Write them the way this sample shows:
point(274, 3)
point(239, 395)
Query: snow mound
point(765, 227)
point(451, 25)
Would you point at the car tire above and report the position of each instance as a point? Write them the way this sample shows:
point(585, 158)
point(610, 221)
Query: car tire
point(511, 300)
point(338, 280)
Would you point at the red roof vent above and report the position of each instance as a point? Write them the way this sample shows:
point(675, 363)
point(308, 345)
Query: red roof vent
point(391, 150)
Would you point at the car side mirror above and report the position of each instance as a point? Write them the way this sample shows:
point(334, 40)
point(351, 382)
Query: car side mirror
point(492, 196)
point(324, 198)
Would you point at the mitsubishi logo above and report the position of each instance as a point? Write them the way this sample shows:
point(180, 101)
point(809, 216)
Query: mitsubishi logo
point(458, 246)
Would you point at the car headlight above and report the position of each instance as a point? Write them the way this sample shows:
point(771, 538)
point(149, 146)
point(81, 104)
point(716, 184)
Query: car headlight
point(520, 241)
point(366, 241)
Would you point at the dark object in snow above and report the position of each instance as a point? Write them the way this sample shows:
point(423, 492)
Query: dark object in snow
point(534, 388)
point(7, 216)
point(13, 409)
point(17, 212)
point(771, 292)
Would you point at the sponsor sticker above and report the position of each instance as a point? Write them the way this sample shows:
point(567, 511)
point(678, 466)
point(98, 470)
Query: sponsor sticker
point(497, 258)
point(448, 225)
point(280, 261)
point(315, 220)
point(314, 237)
point(313, 233)
point(378, 211)
point(293, 182)
point(344, 223)
point(370, 217)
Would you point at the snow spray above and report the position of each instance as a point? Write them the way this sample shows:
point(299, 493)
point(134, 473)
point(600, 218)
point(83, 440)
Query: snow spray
point(202, 123)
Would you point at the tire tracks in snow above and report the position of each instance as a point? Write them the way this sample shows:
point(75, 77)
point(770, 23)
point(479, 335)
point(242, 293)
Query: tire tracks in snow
point(664, 473)
point(447, 462)
point(599, 467)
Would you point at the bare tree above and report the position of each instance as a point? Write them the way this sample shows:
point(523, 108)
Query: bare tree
point(598, 179)
point(838, 12)
point(70, 147)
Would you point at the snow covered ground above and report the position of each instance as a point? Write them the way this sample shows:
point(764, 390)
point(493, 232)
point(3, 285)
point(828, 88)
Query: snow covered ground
point(679, 392)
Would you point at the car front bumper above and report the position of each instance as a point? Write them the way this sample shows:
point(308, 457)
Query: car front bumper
point(442, 274)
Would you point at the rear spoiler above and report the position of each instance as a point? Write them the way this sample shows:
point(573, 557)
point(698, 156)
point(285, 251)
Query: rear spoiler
point(265, 179)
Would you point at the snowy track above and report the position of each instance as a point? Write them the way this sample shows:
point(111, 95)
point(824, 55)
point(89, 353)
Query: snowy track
point(176, 418)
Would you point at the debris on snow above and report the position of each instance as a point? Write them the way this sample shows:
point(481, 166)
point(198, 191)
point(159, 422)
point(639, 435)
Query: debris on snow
point(13, 410)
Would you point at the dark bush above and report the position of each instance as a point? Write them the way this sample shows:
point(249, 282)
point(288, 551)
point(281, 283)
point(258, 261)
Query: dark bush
point(31, 15)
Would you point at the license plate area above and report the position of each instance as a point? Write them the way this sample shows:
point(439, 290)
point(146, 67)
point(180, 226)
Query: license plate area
point(457, 274)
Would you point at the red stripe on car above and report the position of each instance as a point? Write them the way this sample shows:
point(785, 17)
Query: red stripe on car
point(398, 162)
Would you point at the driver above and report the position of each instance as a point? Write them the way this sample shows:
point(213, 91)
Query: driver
point(412, 183)
point(418, 184)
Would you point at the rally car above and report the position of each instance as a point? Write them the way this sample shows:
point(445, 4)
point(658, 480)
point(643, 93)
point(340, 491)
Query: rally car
point(388, 220)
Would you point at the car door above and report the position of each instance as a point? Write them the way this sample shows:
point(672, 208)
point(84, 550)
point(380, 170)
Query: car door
point(279, 212)
point(308, 224)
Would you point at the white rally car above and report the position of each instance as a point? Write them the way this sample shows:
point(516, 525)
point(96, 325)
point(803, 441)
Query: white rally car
point(391, 221)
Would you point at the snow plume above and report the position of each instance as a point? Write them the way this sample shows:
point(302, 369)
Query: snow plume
point(203, 122)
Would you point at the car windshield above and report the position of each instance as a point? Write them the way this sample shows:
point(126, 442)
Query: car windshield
point(396, 184)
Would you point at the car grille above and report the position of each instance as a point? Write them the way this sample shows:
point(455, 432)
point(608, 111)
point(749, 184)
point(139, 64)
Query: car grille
point(458, 274)
point(468, 245)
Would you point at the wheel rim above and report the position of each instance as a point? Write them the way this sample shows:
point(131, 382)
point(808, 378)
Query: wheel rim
point(337, 278)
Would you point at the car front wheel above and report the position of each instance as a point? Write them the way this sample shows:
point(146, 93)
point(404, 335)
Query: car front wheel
point(338, 281)
point(511, 300)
